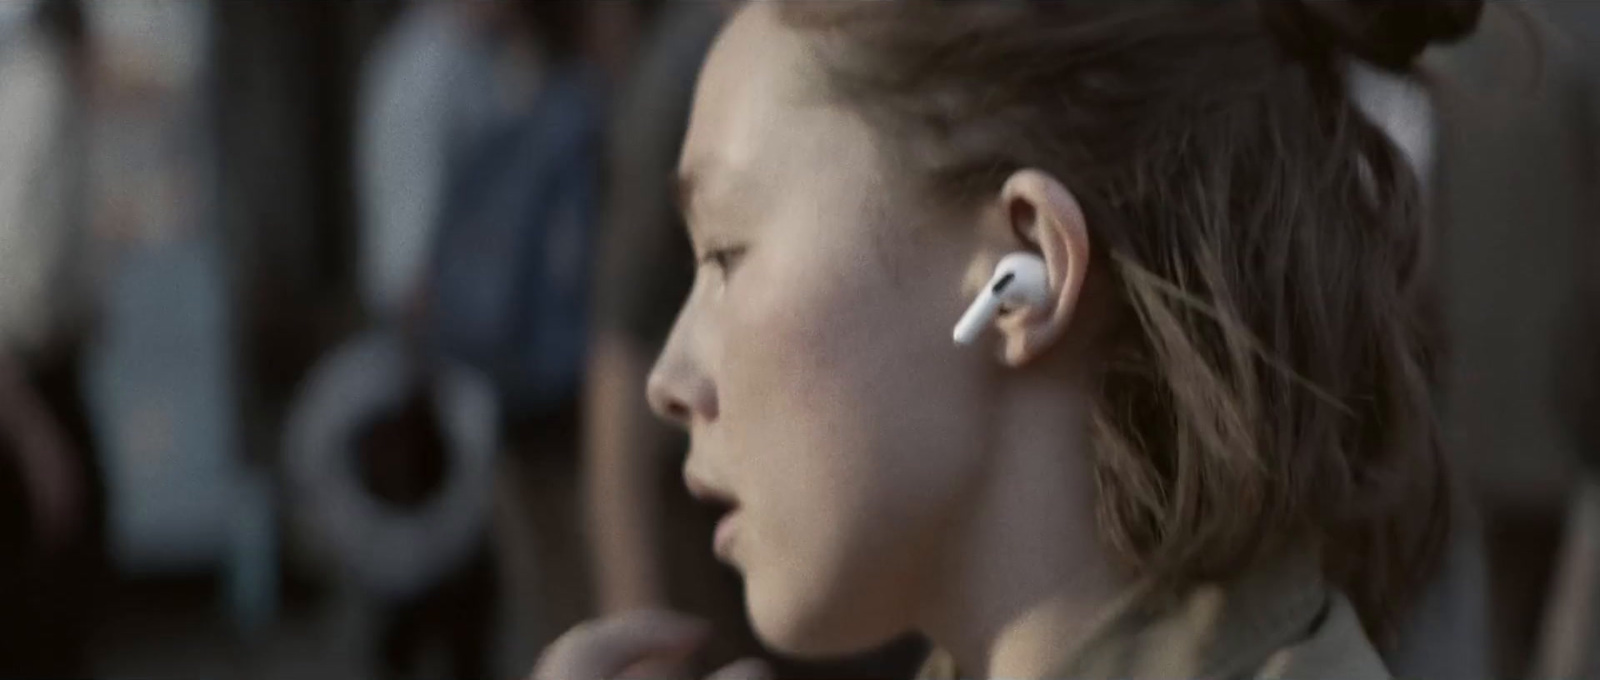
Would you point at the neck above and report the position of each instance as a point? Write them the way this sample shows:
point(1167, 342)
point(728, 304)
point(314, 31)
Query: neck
point(1025, 570)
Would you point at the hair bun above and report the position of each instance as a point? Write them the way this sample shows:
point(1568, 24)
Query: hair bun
point(1387, 33)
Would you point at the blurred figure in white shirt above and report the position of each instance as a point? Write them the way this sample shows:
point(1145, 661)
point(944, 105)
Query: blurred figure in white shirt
point(51, 502)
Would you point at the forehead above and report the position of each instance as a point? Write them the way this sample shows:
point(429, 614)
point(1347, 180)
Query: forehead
point(759, 88)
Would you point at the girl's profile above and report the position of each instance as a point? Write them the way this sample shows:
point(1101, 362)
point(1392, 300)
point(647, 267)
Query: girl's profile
point(1208, 452)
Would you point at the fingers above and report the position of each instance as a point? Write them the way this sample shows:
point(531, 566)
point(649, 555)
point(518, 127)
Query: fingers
point(744, 669)
point(658, 668)
point(607, 647)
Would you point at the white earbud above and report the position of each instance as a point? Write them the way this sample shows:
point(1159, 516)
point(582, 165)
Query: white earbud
point(1019, 281)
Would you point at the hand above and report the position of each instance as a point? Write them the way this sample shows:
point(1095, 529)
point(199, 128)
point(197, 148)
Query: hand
point(637, 644)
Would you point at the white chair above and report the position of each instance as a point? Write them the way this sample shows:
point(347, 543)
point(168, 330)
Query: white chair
point(161, 397)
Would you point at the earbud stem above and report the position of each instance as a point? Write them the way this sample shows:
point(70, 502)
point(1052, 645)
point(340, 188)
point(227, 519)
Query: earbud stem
point(977, 317)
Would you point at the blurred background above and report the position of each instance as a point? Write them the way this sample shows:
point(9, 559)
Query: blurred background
point(324, 328)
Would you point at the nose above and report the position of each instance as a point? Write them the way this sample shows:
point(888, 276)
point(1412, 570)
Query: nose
point(678, 391)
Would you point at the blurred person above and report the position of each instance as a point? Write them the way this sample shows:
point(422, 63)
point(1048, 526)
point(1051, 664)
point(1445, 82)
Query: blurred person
point(1515, 222)
point(1568, 644)
point(438, 75)
point(1205, 448)
point(477, 180)
point(647, 535)
point(502, 282)
point(640, 277)
point(1447, 632)
point(641, 274)
point(444, 73)
point(441, 73)
point(1501, 133)
point(51, 500)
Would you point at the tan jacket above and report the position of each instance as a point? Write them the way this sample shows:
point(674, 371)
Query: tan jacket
point(1279, 622)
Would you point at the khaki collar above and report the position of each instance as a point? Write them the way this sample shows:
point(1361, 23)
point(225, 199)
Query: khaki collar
point(1211, 631)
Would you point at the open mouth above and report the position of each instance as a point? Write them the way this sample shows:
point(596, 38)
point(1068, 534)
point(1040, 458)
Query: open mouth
point(722, 502)
point(726, 508)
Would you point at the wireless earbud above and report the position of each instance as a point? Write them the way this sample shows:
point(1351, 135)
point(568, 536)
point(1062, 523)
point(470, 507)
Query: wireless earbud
point(1019, 281)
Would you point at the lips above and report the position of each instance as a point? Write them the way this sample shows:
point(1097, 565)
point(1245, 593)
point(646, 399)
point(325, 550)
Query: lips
point(706, 493)
point(728, 506)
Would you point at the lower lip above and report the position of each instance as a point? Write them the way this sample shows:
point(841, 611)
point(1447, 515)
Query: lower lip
point(722, 540)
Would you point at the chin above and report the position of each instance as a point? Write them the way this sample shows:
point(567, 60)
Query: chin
point(791, 624)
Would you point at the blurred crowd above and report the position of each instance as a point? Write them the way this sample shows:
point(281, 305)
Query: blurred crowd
point(324, 330)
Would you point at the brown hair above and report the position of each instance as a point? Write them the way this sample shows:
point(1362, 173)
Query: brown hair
point(1268, 382)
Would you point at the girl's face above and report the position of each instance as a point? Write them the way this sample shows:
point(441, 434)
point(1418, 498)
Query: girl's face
point(812, 363)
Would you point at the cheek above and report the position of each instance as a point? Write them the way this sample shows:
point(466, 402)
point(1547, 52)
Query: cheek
point(847, 411)
point(835, 352)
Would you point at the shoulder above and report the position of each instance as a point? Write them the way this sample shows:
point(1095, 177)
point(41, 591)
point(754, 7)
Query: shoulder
point(1336, 649)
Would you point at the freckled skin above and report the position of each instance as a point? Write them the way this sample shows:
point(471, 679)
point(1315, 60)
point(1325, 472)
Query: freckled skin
point(844, 418)
point(886, 480)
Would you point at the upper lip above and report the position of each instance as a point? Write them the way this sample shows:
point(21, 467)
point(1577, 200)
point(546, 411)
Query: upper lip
point(706, 493)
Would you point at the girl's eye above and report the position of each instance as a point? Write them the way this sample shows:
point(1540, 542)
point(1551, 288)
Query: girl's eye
point(724, 259)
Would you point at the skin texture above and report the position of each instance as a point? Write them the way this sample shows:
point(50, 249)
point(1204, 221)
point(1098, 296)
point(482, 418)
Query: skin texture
point(877, 470)
point(883, 480)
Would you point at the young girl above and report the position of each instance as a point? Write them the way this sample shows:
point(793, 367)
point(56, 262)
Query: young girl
point(1206, 452)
